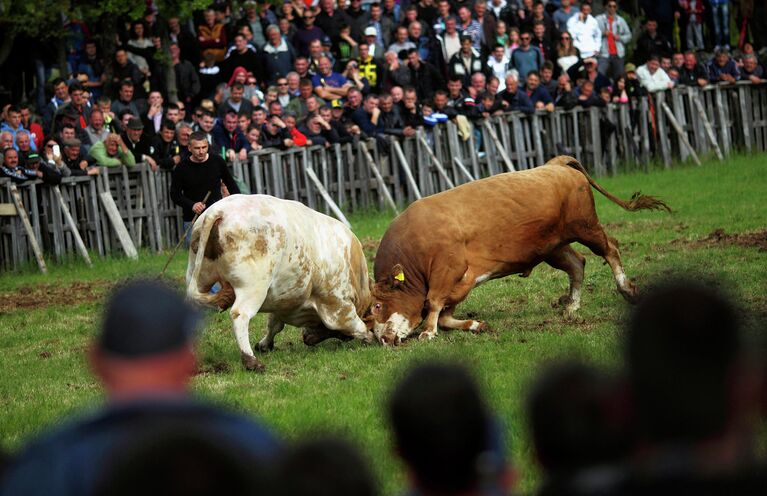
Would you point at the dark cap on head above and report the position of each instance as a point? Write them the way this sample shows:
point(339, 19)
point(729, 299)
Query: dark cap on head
point(465, 36)
point(144, 318)
point(71, 142)
point(135, 124)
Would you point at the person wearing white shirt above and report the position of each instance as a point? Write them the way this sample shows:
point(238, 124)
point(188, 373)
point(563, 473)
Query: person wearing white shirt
point(498, 62)
point(584, 28)
point(652, 77)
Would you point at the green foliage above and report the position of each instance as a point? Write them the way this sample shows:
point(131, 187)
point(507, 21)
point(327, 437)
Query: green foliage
point(342, 387)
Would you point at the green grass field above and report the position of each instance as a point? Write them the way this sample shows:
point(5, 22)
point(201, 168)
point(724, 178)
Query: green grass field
point(46, 322)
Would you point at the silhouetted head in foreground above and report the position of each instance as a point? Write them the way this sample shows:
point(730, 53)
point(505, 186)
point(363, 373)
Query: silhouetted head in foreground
point(445, 433)
point(683, 350)
point(577, 419)
point(324, 467)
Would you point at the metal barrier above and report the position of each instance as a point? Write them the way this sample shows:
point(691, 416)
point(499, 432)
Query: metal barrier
point(128, 208)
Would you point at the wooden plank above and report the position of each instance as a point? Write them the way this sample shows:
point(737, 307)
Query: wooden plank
point(665, 146)
point(405, 167)
point(434, 160)
point(537, 141)
point(499, 146)
point(381, 184)
point(325, 195)
point(7, 210)
point(745, 115)
point(463, 169)
point(22, 212)
point(708, 128)
point(678, 113)
point(118, 225)
point(724, 131)
point(72, 226)
point(682, 135)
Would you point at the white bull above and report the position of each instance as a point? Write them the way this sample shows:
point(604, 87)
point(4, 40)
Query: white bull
point(279, 257)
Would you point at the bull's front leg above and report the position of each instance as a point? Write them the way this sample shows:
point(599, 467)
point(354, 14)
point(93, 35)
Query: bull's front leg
point(344, 318)
point(431, 321)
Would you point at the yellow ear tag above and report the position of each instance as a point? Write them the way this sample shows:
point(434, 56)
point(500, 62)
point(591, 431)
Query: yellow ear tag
point(400, 277)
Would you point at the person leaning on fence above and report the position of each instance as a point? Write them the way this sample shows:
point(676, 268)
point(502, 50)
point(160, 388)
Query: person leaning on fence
point(446, 434)
point(144, 357)
point(752, 70)
point(73, 161)
point(11, 169)
point(722, 68)
point(652, 77)
point(228, 136)
point(200, 174)
point(166, 150)
point(112, 152)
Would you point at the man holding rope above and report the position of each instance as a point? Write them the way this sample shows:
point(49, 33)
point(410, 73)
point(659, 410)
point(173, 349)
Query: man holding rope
point(197, 181)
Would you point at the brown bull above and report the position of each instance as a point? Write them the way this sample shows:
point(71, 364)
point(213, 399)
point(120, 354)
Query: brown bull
point(441, 247)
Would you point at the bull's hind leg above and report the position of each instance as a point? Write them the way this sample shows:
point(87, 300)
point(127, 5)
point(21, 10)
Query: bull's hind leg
point(597, 240)
point(273, 327)
point(246, 306)
point(572, 262)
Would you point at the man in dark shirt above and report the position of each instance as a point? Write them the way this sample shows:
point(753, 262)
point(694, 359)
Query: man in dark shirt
point(166, 151)
point(201, 174)
point(138, 142)
point(692, 73)
point(651, 42)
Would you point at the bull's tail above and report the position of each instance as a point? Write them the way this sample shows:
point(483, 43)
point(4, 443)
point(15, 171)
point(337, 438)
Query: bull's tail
point(638, 201)
point(224, 298)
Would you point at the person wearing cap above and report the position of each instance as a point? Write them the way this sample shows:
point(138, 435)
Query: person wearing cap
point(375, 48)
point(144, 357)
point(446, 434)
point(138, 142)
point(112, 152)
point(73, 160)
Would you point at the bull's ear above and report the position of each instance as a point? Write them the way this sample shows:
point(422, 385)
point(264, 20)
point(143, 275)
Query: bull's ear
point(397, 277)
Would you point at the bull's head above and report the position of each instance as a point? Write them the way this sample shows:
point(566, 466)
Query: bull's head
point(396, 309)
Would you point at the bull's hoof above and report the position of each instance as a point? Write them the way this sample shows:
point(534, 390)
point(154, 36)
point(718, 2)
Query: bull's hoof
point(572, 316)
point(252, 363)
point(479, 326)
point(427, 335)
point(563, 301)
point(631, 294)
point(265, 347)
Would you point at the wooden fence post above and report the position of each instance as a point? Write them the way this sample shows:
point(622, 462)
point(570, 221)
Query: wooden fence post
point(22, 212)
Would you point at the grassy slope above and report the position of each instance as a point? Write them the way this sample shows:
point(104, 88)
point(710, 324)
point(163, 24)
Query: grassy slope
point(342, 386)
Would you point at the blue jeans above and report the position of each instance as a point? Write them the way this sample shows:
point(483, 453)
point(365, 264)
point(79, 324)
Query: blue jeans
point(721, 15)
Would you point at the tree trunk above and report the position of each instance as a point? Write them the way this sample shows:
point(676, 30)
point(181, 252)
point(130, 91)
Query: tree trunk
point(5, 46)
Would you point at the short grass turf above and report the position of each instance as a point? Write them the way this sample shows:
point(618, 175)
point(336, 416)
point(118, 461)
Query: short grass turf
point(717, 230)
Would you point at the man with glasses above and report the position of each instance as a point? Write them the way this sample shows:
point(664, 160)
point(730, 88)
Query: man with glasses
point(305, 34)
point(526, 58)
point(615, 34)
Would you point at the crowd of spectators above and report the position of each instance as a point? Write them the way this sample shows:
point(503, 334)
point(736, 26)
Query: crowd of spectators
point(323, 72)
point(681, 416)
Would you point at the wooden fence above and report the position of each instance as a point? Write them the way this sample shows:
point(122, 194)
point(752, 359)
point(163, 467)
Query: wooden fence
point(128, 208)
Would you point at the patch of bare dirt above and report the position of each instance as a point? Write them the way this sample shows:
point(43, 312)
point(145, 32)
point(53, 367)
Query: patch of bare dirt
point(718, 237)
point(47, 295)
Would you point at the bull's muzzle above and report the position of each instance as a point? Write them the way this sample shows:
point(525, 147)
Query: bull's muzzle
point(390, 338)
